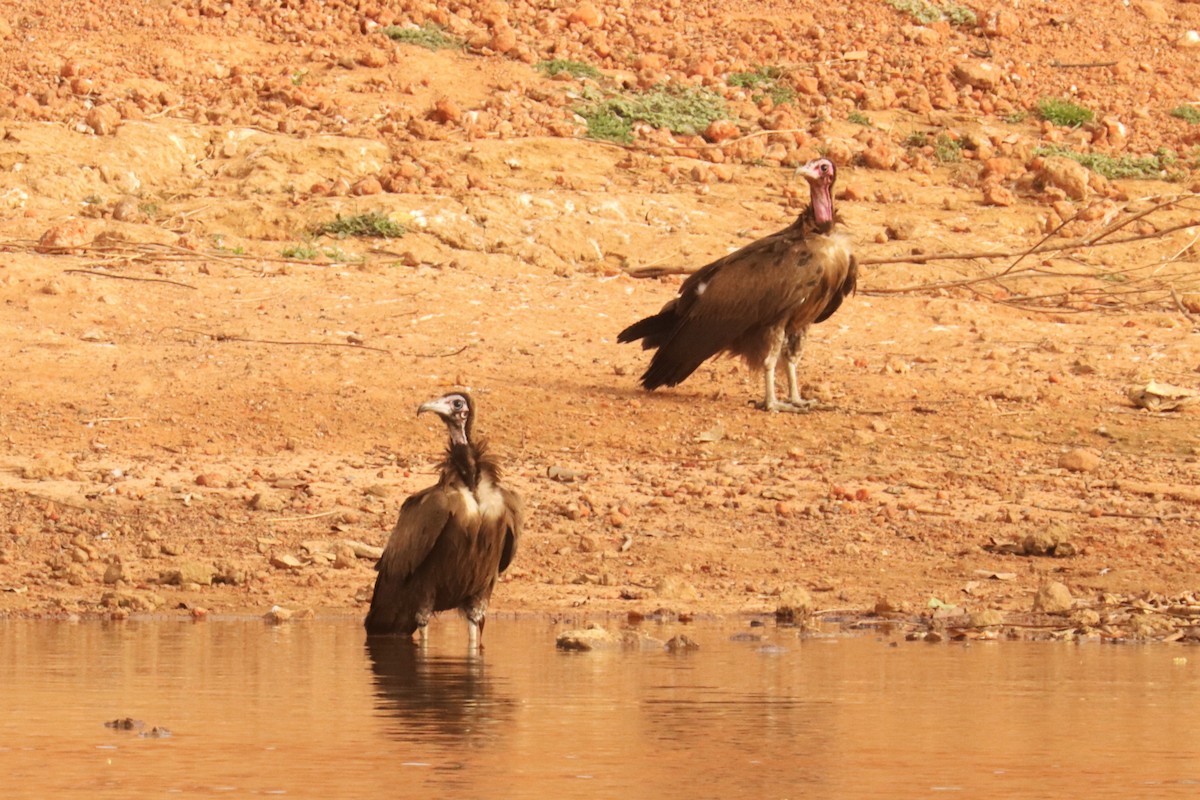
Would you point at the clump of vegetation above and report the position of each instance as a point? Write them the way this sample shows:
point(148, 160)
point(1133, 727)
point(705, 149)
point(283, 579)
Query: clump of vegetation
point(307, 251)
point(925, 12)
point(679, 110)
point(1189, 114)
point(764, 82)
point(1063, 112)
point(373, 224)
point(576, 69)
point(301, 252)
point(916, 139)
point(1162, 164)
point(859, 118)
point(1015, 117)
point(947, 148)
point(429, 36)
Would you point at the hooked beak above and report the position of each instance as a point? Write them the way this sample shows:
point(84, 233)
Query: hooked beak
point(440, 406)
point(809, 171)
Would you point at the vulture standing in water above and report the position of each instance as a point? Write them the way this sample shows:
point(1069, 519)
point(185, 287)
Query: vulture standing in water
point(452, 540)
point(757, 302)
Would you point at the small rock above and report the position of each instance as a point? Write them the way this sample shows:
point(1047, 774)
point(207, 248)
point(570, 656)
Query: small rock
point(277, 615)
point(672, 587)
point(977, 74)
point(362, 550)
point(344, 558)
point(586, 639)
point(114, 573)
point(68, 237)
point(189, 572)
point(445, 110)
point(286, 561)
point(1068, 175)
point(996, 194)
point(127, 210)
point(366, 186)
point(987, 618)
point(720, 130)
point(587, 15)
point(681, 642)
point(103, 120)
point(1052, 598)
point(795, 605)
point(1079, 460)
point(265, 502)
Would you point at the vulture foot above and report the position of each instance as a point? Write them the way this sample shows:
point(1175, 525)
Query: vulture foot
point(789, 406)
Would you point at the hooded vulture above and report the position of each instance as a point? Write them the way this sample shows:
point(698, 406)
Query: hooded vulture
point(452, 540)
point(758, 302)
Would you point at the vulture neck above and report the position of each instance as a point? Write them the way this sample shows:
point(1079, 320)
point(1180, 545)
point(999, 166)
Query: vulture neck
point(468, 462)
point(821, 206)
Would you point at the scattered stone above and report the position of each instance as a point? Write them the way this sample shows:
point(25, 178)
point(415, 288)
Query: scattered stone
point(69, 237)
point(977, 74)
point(672, 587)
point(277, 615)
point(115, 573)
point(681, 643)
point(1068, 175)
point(586, 639)
point(1052, 598)
point(131, 600)
point(987, 618)
point(1079, 460)
point(127, 210)
point(587, 15)
point(362, 550)
point(344, 557)
point(286, 561)
point(263, 501)
point(187, 572)
point(103, 120)
point(795, 605)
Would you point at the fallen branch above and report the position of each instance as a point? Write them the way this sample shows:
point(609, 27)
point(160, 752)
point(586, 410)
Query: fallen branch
point(100, 274)
point(224, 337)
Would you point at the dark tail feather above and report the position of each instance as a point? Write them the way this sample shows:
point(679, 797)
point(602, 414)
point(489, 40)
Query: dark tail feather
point(388, 613)
point(652, 330)
point(667, 370)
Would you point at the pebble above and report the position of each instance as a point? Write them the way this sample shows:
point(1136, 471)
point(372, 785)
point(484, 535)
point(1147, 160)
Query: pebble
point(1079, 460)
point(1052, 598)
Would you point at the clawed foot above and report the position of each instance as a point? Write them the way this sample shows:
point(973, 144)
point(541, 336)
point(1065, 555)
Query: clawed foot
point(790, 406)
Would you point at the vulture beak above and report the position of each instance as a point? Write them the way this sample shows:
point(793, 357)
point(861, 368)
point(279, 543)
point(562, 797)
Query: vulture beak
point(440, 406)
point(809, 171)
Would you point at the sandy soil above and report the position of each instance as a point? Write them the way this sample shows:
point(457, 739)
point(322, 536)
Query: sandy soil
point(190, 419)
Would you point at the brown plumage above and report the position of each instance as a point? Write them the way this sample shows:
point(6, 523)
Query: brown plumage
point(758, 302)
point(452, 540)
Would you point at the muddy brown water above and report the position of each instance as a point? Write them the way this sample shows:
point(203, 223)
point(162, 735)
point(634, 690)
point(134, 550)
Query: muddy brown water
point(309, 710)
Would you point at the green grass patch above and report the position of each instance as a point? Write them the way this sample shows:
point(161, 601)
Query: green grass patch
point(307, 251)
point(372, 224)
point(947, 149)
point(576, 69)
point(1063, 112)
point(764, 82)
point(859, 118)
point(429, 36)
point(926, 12)
point(1162, 164)
point(1016, 117)
point(1189, 114)
point(680, 110)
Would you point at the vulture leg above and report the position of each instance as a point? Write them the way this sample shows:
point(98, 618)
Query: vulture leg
point(423, 634)
point(769, 403)
point(795, 346)
point(476, 617)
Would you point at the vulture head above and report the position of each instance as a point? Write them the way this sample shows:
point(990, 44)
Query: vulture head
point(457, 410)
point(820, 174)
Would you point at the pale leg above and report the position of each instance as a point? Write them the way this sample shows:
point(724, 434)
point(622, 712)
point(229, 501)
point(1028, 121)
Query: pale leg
point(795, 346)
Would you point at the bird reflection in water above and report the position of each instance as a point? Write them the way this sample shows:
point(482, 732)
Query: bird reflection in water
point(433, 697)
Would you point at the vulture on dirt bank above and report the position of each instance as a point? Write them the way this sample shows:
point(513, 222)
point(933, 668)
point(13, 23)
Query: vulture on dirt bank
point(452, 540)
point(757, 302)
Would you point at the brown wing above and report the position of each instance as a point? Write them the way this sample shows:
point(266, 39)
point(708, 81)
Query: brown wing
point(514, 521)
point(424, 517)
point(755, 288)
